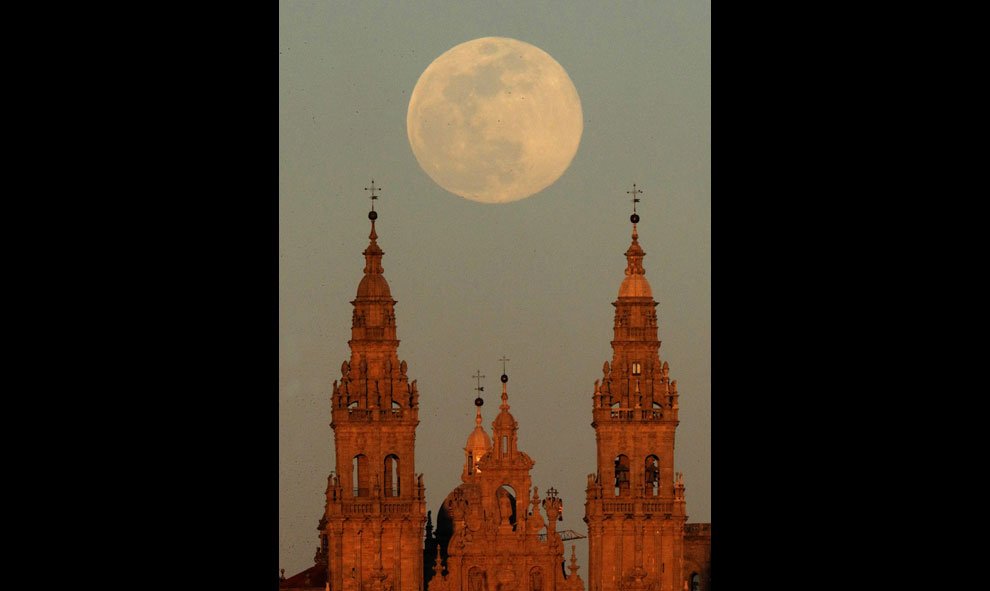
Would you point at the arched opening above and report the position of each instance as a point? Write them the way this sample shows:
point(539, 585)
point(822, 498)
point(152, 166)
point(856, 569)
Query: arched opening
point(695, 582)
point(473, 462)
point(506, 497)
point(352, 405)
point(360, 476)
point(621, 474)
point(652, 475)
point(505, 444)
point(476, 579)
point(637, 368)
point(390, 476)
point(536, 579)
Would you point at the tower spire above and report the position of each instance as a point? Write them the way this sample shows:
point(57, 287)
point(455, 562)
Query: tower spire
point(373, 254)
point(479, 401)
point(635, 417)
point(505, 427)
point(635, 283)
point(634, 218)
point(478, 442)
point(504, 407)
point(374, 414)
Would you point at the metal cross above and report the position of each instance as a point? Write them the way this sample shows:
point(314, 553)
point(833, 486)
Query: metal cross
point(503, 360)
point(373, 188)
point(635, 192)
point(478, 377)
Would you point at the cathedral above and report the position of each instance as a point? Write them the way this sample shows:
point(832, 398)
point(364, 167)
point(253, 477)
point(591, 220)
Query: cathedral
point(495, 532)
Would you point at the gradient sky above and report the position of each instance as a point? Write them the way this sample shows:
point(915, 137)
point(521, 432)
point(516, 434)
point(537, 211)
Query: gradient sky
point(532, 280)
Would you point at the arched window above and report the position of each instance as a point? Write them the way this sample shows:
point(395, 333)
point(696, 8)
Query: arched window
point(360, 475)
point(695, 582)
point(391, 475)
point(652, 475)
point(536, 579)
point(505, 444)
point(637, 369)
point(621, 474)
point(477, 579)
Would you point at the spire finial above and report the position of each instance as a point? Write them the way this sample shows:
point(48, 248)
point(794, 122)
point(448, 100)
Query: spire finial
point(634, 218)
point(373, 188)
point(505, 394)
point(505, 377)
point(634, 256)
point(479, 401)
point(437, 568)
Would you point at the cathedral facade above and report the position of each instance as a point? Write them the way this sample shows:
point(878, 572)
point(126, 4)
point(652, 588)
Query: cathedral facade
point(495, 532)
point(491, 535)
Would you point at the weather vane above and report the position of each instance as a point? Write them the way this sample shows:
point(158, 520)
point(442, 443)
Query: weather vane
point(505, 378)
point(635, 199)
point(635, 216)
point(478, 401)
point(373, 188)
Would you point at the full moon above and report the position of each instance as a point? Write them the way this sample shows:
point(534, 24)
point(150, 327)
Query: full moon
point(494, 120)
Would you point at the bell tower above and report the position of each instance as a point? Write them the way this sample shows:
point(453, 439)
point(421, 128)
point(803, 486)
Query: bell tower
point(634, 506)
point(375, 509)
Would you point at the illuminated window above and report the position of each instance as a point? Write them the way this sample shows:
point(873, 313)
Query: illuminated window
point(636, 368)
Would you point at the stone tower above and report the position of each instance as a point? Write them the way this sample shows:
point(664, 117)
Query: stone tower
point(635, 507)
point(371, 531)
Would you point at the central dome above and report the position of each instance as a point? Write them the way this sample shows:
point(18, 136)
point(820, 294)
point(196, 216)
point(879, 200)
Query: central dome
point(635, 286)
point(374, 286)
point(479, 441)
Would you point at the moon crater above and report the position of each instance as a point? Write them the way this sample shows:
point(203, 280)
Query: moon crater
point(494, 120)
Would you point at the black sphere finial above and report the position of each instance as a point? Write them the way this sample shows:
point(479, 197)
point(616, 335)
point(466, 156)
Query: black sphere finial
point(505, 378)
point(634, 218)
point(372, 215)
point(479, 402)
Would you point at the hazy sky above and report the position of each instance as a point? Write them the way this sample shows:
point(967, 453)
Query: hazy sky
point(532, 280)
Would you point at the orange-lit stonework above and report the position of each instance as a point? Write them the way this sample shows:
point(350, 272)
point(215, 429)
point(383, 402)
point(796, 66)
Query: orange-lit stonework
point(491, 531)
point(635, 507)
point(495, 532)
point(371, 533)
